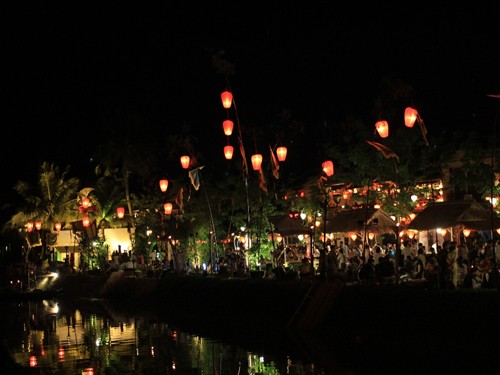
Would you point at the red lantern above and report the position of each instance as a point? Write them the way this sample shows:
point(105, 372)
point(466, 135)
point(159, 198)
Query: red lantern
point(85, 202)
point(29, 226)
point(281, 152)
point(228, 127)
point(185, 161)
point(58, 226)
point(168, 208)
point(256, 161)
point(86, 221)
point(328, 168)
point(227, 99)
point(382, 128)
point(410, 117)
point(38, 225)
point(228, 152)
point(120, 212)
point(163, 185)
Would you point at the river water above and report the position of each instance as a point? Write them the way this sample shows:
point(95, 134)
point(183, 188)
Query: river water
point(47, 337)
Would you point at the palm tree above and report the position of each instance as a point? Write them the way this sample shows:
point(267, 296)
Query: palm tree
point(53, 199)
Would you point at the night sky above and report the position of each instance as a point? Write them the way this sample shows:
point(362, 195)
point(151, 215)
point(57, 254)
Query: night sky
point(65, 69)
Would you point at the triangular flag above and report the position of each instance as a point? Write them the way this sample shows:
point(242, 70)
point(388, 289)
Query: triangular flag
point(243, 155)
point(179, 198)
point(194, 176)
point(262, 182)
point(386, 151)
point(274, 165)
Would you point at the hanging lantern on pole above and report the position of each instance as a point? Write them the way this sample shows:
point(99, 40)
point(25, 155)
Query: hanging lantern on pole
point(382, 128)
point(58, 226)
point(228, 152)
point(410, 117)
point(163, 185)
point(328, 168)
point(120, 212)
point(227, 99)
point(281, 153)
point(168, 208)
point(227, 126)
point(185, 161)
point(86, 221)
point(256, 161)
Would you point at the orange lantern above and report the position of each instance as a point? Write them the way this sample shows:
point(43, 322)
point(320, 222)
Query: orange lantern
point(120, 212)
point(85, 202)
point(86, 221)
point(168, 208)
point(466, 232)
point(328, 168)
point(281, 153)
point(163, 185)
point(58, 226)
point(228, 152)
point(228, 127)
point(353, 236)
point(256, 161)
point(382, 128)
point(371, 235)
point(227, 99)
point(33, 361)
point(185, 161)
point(410, 117)
point(29, 226)
point(38, 225)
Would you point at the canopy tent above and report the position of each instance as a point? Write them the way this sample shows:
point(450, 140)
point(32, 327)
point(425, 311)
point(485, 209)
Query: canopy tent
point(357, 220)
point(468, 213)
point(286, 226)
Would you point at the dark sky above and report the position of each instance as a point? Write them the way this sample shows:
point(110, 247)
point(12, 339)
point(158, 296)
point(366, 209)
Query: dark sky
point(64, 69)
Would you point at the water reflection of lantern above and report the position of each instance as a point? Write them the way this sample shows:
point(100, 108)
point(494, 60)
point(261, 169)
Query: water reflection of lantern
point(29, 226)
point(185, 161)
point(85, 202)
point(33, 361)
point(328, 168)
point(228, 127)
point(256, 161)
point(466, 232)
point(168, 208)
point(228, 152)
point(85, 221)
point(227, 99)
point(410, 117)
point(281, 153)
point(60, 353)
point(58, 226)
point(88, 371)
point(163, 185)
point(38, 225)
point(353, 236)
point(382, 128)
point(120, 212)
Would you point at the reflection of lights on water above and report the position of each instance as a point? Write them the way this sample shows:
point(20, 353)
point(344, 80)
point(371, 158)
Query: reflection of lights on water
point(88, 371)
point(174, 335)
point(33, 361)
point(152, 351)
point(60, 354)
point(173, 365)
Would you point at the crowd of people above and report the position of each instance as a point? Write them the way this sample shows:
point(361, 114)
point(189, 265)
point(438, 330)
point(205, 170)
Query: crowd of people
point(448, 266)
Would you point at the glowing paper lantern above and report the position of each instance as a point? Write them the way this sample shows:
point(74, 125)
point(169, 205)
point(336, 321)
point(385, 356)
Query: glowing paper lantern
point(382, 128)
point(371, 235)
point(466, 232)
point(163, 185)
point(120, 212)
point(353, 236)
point(85, 202)
point(58, 226)
point(38, 225)
point(227, 126)
point(228, 152)
point(410, 117)
point(256, 161)
point(281, 153)
point(29, 226)
point(328, 168)
point(227, 99)
point(185, 161)
point(86, 221)
point(168, 208)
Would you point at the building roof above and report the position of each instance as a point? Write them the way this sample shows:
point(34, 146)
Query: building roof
point(357, 220)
